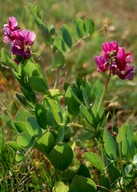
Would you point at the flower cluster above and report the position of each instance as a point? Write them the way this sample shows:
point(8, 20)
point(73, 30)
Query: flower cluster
point(20, 39)
point(116, 60)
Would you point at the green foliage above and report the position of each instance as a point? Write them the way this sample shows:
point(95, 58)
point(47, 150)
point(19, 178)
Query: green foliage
point(6, 59)
point(14, 145)
point(45, 143)
point(95, 160)
point(41, 115)
point(22, 114)
point(19, 156)
point(70, 35)
point(25, 140)
point(81, 184)
point(53, 112)
point(109, 145)
point(87, 115)
point(61, 156)
point(72, 100)
point(38, 19)
point(125, 140)
point(67, 38)
point(60, 186)
point(83, 171)
point(33, 127)
point(58, 59)
point(35, 76)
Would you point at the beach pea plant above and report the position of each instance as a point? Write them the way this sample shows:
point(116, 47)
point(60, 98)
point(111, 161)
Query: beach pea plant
point(55, 120)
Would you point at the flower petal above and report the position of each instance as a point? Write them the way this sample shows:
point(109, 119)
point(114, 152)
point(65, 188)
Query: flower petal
point(101, 62)
point(128, 73)
point(12, 22)
point(109, 47)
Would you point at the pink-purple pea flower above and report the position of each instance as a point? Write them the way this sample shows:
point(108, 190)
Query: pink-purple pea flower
point(9, 30)
point(20, 39)
point(116, 60)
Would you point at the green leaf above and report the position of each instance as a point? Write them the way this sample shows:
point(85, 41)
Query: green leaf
point(14, 145)
point(128, 169)
point(89, 26)
point(46, 143)
point(83, 171)
point(60, 134)
point(22, 99)
point(35, 76)
point(6, 120)
point(31, 69)
point(105, 158)
point(61, 156)
point(85, 98)
point(22, 114)
point(66, 35)
point(60, 187)
point(122, 140)
point(25, 140)
point(86, 136)
point(104, 182)
point(97, 89)
point(33, 127)
point(41, 115)
point(58, 59)
point(135, 161)
point(60, 44)
point(29, 93)
point(76, 94)
point(97, 111)
point(82, 184)
point(38, 84)
point(95, 160)
point(6, 58)
point(125, 139)
point(72, 101)
point(54, 93)
point(53, 112)
point(19, 156)
point(79, 26)
point(109, 144)
point(130, 139)
point(20, 126)
point(89, 118)
point(113, 172)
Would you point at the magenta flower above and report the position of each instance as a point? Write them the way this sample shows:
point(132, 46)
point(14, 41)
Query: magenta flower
point(20, 46)
point(12, 23)
point(109, 47)
point(116, 60)
point(27, 37)
point(9, 29)
point(20, 39)
point(102, 63)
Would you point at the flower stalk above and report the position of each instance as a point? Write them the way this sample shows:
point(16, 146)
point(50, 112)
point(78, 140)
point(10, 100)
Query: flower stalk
point(104, 90)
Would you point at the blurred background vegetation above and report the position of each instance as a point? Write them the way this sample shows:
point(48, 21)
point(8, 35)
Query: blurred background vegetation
point(116, 18)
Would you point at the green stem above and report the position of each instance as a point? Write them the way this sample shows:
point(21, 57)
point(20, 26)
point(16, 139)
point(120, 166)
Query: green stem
point(121, 167)
point(104, 90)
point(75, 125)
point(57, 78)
